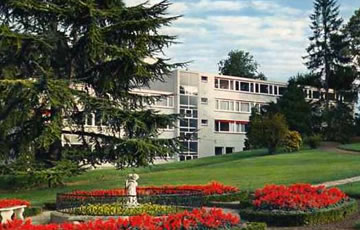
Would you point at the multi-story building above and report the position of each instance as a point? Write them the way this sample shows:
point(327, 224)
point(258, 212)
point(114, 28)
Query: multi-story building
point(214, 109)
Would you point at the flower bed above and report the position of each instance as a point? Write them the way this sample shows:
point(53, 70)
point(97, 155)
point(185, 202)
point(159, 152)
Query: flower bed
point(196, 219)
point(297, 197)
point(6, 203)
point(299, 204)
point(208, 189)
point(117, 209)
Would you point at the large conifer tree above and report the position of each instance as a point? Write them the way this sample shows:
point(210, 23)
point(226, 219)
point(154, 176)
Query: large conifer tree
point(61, 61)
point(327, 56)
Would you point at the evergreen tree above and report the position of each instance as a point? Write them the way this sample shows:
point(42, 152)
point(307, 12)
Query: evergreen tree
point(296, 109)
point(353, 30)
point(63, 62)
point(327, 50)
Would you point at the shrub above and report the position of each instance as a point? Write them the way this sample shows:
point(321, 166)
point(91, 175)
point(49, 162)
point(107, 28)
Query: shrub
point(255, 226)
point(228, 197)
point(293, 141)
point(117, 209)
point(314, 141)
point(300, 218)
point(298, 197)
point(196, 219)
point(32, 211)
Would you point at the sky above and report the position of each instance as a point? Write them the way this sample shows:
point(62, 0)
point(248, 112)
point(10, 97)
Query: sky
point(275, 32)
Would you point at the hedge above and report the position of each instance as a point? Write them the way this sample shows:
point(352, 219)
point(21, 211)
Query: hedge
point(297, 218)
point(228, 197)
point(32, 211)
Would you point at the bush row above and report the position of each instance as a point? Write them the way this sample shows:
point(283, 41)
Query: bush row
point(299, 218)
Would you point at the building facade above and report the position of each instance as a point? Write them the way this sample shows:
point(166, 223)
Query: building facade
point(215, 109)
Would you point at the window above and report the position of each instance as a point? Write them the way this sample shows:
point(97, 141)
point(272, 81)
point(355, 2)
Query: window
point(89, 119)
point(224, 105)
point(264, 88)
point(224, 127)
point(162, 102)
point(188, 113)
point(237, 106)
point(231, 85)
point(237, 86)
point(251, 87)
point(193, 101)
point(245, 86)
point(282, 90)
point(271, 89)
point(229, 150)
point(256, 88)
point(245, 107)
point(231, 126)
point(219, 151)
point(216, 83)
point(224, 84)
point(204, 79)
point(316, 94)
point(98, 117)
point(193, 123)
point(204, 122)
point(331, 96)
point(275, 90)
point(204, 100)
point(184, 100)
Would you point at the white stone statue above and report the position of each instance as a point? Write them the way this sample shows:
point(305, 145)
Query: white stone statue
point(130, 185)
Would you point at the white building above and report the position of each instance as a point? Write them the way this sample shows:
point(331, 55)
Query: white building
point(215, 109)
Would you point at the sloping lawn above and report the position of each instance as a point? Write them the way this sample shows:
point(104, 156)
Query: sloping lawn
point(352, 147)
point(246, 170)
point(352, 189)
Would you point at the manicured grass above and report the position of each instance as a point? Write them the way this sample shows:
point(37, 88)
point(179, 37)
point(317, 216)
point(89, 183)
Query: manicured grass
point(352, 189)
point(352, 147)
point(246, 170)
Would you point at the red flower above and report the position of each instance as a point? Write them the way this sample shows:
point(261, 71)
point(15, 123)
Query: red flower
point(196, 219)
point(209, 189)
point(6, 203)
point(297, 197)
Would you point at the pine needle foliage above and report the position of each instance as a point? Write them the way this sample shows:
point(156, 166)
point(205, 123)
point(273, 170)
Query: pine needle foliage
point(328, 55)
point(61, 62)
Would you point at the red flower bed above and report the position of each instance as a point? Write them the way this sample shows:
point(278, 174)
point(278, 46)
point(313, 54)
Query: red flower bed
point(297, 197)
point(209, 189)
point(6, 203)
point(196, 219)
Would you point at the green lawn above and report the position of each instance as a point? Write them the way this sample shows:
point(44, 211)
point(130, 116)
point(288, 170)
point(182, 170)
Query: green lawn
point(246, 170)
point(351, 147)
point(352, 189)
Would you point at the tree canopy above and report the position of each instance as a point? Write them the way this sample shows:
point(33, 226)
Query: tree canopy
point(241, 64)
point(327, 53)
point(353, 30)
point(65, 62)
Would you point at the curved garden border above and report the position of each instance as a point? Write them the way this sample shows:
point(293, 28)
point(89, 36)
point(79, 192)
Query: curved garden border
point(347, 147)
point(296, 218)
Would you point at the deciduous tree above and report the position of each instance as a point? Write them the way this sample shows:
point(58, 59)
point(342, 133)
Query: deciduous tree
point(241, 64)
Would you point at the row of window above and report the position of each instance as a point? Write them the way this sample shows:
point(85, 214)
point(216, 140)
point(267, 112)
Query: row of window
point(231, 126)
point(251, 87)
point(165, 102)
point(236, 106)
point(221, 150)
